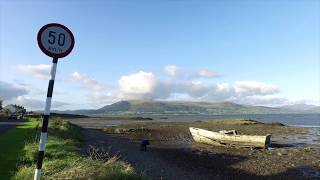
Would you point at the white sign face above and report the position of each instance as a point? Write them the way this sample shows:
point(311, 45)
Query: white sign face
point(55, 40)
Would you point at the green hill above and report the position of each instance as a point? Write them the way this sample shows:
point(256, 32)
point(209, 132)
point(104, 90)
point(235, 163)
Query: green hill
point(134, 107)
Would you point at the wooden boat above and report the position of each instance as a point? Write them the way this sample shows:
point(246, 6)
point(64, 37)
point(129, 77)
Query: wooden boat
point(229, 138)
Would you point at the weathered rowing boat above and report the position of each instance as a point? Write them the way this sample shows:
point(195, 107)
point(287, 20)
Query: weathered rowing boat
point(224, 138)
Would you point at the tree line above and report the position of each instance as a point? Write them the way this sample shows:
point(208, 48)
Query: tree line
point(19, 111)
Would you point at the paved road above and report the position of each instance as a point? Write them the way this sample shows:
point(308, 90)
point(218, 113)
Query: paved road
point(5, 126)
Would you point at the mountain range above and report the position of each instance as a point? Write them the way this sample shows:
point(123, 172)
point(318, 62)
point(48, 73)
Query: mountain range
point(136, 107)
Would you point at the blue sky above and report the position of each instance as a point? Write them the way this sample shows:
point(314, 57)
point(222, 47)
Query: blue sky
point(249, 52)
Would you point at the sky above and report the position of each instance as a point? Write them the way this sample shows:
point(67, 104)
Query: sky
point(251, 52)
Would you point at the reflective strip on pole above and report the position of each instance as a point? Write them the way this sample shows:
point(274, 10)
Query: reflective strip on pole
point(45, 121)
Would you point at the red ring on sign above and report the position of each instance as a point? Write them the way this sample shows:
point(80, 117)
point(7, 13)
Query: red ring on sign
point(51, 54)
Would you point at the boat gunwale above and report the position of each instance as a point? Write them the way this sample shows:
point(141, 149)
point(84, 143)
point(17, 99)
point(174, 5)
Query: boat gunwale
point(263, 143)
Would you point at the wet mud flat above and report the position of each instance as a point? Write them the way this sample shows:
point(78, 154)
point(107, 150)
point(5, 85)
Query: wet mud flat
point(293, 154)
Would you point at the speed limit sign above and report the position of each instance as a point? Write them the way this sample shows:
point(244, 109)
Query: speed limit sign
point(55, 40)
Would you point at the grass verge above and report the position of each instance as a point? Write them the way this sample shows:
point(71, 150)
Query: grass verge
point(12, 144)
point(63, 161)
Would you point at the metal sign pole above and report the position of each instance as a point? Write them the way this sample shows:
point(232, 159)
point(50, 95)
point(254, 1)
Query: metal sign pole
point(44, 130)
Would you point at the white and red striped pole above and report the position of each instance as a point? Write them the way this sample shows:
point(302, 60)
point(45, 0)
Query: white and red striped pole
point(45, 121)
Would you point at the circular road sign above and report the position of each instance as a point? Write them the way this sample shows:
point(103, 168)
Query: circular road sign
point(55, 40)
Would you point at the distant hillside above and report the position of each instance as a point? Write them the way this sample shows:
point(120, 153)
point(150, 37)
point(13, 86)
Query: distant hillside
point(135, 107)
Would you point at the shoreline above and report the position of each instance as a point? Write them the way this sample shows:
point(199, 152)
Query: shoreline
point(288, 119)
point(299, 135)
point(172, 148)
point(285, 157)
point(307, 126)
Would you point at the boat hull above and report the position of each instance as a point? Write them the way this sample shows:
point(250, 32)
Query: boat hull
point(220, 139)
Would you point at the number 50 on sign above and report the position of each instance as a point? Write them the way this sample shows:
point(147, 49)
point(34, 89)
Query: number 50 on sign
point(55, 40)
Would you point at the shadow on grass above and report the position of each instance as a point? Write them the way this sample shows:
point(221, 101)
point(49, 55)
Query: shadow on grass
point(12, 147)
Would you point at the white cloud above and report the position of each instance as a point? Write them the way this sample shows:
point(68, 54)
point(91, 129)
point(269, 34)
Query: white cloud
point(34, 104)
point(182, 84)
point(171, 70)
point(243, 89)
point(9, 91)
point(97, 91)
point(99, 98)
point(88, 81)
point(186, 74)
point(41, 71)
point(267, 100)
point(271, 100)
point(145, 85)
point(223, 91)
point(138, 84)
point(142, 85)
point(254, 87)
point(206, 73)
point(197, 89)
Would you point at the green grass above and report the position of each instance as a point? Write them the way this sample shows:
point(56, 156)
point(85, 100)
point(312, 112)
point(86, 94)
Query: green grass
point(63, 161)
point(12, 144)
